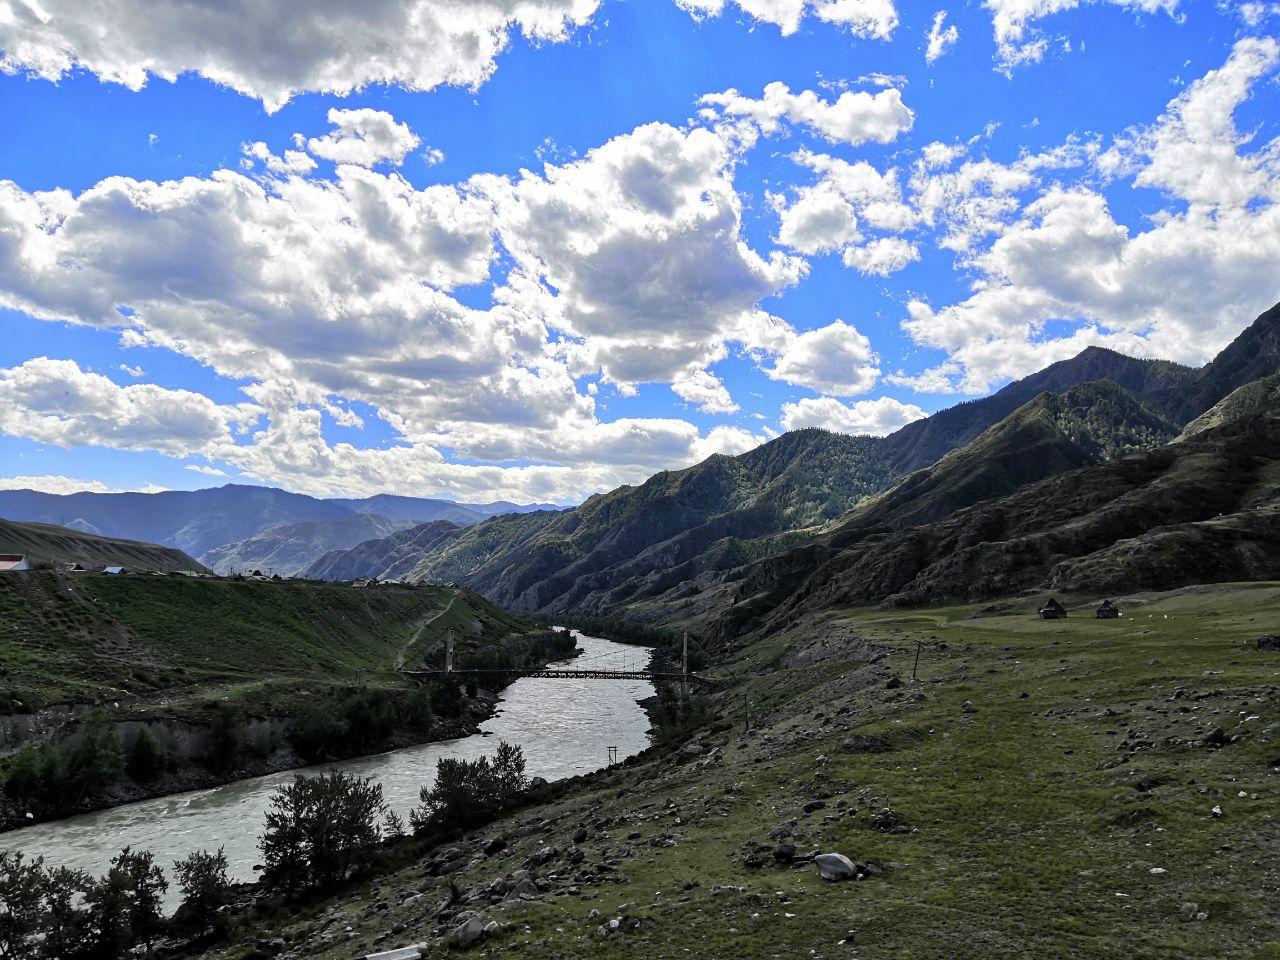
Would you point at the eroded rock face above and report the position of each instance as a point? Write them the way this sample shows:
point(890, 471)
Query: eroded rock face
point(835, 867)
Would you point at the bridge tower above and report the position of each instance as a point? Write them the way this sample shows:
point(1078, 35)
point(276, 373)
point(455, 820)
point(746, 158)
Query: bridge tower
point(448, 652)
point(684, 666)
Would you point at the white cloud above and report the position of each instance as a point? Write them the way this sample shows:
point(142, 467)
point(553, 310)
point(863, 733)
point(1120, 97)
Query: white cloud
point(364, 137)
point(135, 372)
point(855, 117)
point(863, 18)
point(204, 469)
point(834, 359)
point(1181, 289)
point(58, 484)
point(939, 38)
point(54, 401)
point(274, 49)
point(1019, 41)
point(881, 257)
point(706, 391)
point(877, 418)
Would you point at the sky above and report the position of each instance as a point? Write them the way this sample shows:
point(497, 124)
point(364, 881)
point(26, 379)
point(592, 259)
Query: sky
point(534, 249)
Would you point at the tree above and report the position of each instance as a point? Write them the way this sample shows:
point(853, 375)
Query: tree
point(318, 829)
point(21, 904)
point(94, 760)
point(125, 905)
point(68, 932)
point(206, 889)
point(146, 759)
point(467, 793)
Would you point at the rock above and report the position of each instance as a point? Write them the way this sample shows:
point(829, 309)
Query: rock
point(493, 928)
point(1269, 643)
point(1216, 811)
point(814, 805)
point(835, 867)
point(537, 783)
point(968, 707)
point(494, 846)
point(690, 750)
point(893, 683)
point(466, 934)
point(782, 831)
point(524, 890)
point(784, 852)
point(580, 835)
point(403, 953)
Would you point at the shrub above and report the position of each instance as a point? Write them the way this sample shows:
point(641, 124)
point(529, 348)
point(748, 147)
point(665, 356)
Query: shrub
point(468, 793)
point(125, 905)
point(206, 889)
point(226, 741)
point(318, 829)
point(94, 760)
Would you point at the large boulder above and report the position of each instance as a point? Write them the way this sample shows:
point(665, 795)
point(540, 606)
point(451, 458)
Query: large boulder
point(1269, 642)
point(466, 934)
point(835, 867)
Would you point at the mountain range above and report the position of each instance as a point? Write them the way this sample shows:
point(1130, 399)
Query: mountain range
point(238, 526)
point(733, 541)
point(44, 543)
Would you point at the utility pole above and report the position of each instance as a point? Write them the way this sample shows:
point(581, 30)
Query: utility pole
point(448, 652)
point(613, 755)
point(919, 644)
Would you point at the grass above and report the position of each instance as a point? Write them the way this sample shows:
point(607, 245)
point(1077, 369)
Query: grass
point(177, 642)
point(1037, 813)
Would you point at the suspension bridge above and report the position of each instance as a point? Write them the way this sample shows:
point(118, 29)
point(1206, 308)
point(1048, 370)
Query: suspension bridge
point(683, 677)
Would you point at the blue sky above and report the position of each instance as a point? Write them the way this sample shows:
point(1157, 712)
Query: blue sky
point(541, 273)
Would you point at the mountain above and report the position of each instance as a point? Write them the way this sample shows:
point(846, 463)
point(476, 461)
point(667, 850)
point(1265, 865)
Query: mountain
point(1206, 509)
point(199, 521)
point(415, 510)
point(47, 544)
point(1252, 396)
point(387, 558)
point(290, 547)
point(194, 521)
point(1251, 356)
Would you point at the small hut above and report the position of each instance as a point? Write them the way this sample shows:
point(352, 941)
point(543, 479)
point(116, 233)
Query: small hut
point(1053, 610)
point(1107, 611)
point(13, 562)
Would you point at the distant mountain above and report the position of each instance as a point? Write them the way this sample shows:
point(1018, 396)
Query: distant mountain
point(1251, 356)
point(47, 544)
point(414, 509)
point(198, 521)
point(291, 547)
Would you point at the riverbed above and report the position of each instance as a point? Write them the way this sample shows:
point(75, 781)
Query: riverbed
point(565, 728)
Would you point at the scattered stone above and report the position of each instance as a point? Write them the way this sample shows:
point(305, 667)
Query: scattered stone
point(466, 934)
point(893, 683)
point(1269, 643)
point(784, 852)
point(580, 835)
point(814, 805)
point(835, 867)
point(495, 846)
point(968, 707)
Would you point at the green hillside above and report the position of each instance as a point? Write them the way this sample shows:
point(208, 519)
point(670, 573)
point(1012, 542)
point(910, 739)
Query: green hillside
point(90, 638)
point(44, 544)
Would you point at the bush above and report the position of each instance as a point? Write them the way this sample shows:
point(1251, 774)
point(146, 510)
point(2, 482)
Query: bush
point(202, 877)
point(146, 759)
point(36, 774)
point(226, 741)
point(468, 793)
point(94, 760)
point(318, 829)
point(354, 722)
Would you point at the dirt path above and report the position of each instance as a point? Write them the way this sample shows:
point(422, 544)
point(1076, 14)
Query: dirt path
point(404, 650)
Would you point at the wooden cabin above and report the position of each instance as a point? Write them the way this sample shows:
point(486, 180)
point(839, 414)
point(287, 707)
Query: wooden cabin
point(1107, 611)
point(1053, 610)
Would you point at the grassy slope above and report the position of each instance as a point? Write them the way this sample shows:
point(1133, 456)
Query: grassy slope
point(1037, 818)
point(88, 637)
point(43, 543)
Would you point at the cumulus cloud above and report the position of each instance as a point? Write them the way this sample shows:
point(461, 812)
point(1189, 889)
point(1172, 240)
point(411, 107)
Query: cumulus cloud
point(939, 37)
point(58, 484)
point(1018, 39)
point(854, 118)
point(877, 418)
point(1180, 289)
point(863, 18)
point(274, 49)
point(55, 401)
point(706, 391)
point(364, 137)
point(834, 359)
point(881, 257)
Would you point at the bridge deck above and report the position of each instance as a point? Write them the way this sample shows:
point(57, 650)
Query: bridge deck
point(556, 674)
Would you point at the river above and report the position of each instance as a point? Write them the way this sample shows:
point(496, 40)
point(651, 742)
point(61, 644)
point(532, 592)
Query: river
point(564, 726)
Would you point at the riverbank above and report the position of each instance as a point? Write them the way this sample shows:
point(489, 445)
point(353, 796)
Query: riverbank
point(549, 717)
point(1114, 780)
